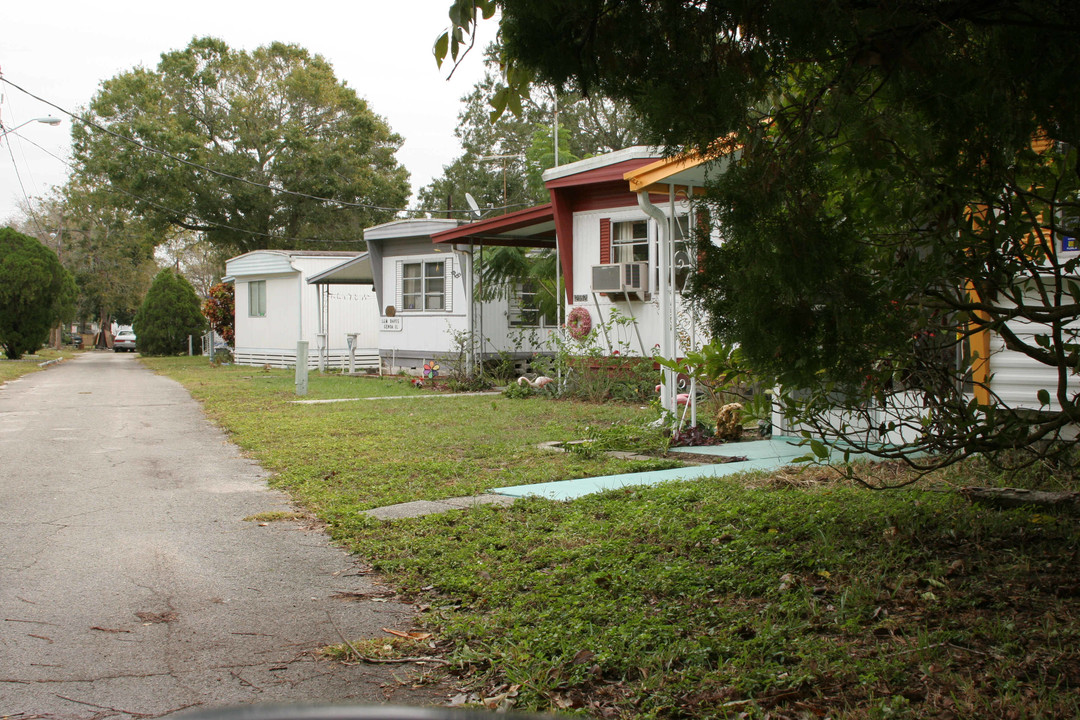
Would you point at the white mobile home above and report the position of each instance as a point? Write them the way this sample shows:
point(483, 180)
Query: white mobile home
point(277, 306)
point(617, 256)
point(621, 249)
point(425, 295)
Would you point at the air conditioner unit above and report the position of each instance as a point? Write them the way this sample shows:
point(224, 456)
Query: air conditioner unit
point(621, 278)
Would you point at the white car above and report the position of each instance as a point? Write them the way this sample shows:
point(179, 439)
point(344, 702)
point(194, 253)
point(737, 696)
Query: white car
point(124, 341)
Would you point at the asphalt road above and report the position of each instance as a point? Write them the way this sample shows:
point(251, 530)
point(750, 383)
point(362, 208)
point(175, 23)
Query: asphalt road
point(130, 584)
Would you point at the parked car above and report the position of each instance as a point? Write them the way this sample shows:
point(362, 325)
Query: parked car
point(124, 340)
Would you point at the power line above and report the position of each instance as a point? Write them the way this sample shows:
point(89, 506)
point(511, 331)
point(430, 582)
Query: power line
point(148, 148)
point(109, 188)
point(22, 187)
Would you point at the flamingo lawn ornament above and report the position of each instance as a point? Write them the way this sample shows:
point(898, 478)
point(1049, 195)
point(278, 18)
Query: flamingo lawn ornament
point(539, 382)
point(680, 399)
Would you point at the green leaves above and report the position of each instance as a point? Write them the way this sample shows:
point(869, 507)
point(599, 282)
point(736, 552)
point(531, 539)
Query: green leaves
point(256, 149)
point(36, 293)
point(463, 17)
point(169, 314)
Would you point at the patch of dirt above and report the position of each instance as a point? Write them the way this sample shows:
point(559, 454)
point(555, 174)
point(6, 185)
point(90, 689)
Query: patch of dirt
point(152, 618)
point(699, 459)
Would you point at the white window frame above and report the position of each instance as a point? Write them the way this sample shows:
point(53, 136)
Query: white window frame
point(423, 289)
point(629, 241)
point(521, 312)
point(257, 298)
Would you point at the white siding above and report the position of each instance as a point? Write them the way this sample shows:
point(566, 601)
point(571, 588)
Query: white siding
point(425, 333)
point(279, 328)
point(1016, 378)
point(646, 311)
point(292, 311)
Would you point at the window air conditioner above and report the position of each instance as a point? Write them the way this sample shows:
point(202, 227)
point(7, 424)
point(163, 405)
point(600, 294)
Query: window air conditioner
point(621, 278)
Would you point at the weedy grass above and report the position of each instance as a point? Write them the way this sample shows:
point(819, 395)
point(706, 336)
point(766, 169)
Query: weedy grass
point(785, 595)
point(275, 516)
point(12, 369)
point(340, 458)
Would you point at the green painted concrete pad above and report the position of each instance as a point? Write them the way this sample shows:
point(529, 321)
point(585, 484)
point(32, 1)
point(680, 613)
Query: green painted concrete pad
point(760, 455)
point(775, 447)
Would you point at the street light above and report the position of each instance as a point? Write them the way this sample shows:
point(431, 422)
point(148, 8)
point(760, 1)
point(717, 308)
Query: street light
point(46, 120)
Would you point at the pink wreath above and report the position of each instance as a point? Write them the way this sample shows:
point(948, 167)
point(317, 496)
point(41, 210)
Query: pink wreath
point(579, 323)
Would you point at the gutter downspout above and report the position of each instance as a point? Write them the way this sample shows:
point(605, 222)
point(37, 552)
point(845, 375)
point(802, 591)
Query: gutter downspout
point(465, 258)
point(667, 350)
point(321, 334)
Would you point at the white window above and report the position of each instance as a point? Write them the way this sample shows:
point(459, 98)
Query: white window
point(524, 310)
point(257, 298)
point(630, 241)
point(423, 285)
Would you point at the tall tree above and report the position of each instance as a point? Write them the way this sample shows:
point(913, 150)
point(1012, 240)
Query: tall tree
point(255, 150)
point(35, 293)
point(906, 179)
point(108, 250)
point(111, 253)
point(496, 165)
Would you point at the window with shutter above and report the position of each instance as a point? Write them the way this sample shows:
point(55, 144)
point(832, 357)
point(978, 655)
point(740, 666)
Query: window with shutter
point(629, 241)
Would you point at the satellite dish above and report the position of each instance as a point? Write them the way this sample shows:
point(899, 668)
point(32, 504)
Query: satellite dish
point(472, 204)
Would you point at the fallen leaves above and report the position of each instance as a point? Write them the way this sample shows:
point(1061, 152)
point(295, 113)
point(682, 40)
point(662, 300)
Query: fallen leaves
point(412, 635)
point(582, 657)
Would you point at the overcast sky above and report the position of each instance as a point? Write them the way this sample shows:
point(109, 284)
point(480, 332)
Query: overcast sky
point(62, 50)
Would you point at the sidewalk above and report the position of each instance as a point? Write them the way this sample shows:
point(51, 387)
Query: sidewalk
point(764, 455)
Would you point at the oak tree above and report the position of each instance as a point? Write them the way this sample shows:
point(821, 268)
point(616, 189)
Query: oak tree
point(253, 149)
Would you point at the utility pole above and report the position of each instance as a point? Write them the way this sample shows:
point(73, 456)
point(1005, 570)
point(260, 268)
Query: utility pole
point(56, 335)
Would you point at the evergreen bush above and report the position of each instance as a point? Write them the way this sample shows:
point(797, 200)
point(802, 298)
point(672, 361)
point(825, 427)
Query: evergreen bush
point(170, 312)
point(36, 293)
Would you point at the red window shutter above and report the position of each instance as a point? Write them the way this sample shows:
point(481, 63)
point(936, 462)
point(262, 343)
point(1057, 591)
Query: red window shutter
point(605, 241)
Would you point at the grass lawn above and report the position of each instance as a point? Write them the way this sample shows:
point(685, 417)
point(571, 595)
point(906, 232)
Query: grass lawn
point(786, 596)
point(11, 369)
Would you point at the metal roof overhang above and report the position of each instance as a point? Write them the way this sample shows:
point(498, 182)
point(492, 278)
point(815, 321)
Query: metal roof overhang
point(689, 170)
point(532, 227)
point(354, 271)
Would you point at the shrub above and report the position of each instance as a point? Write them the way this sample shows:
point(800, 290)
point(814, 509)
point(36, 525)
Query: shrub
point(220, 311)
point(168, 315)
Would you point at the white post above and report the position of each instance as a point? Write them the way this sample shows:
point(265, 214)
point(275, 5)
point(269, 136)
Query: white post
point(351, 337)
point(301, 367)
point(189, 346)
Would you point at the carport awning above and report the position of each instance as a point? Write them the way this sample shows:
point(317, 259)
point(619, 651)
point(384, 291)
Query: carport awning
point(686, 171)
point(354, 271)
point(532, 227)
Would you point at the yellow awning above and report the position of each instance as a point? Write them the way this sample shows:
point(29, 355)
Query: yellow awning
point(685, 170)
